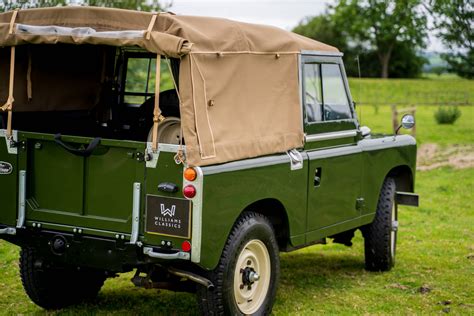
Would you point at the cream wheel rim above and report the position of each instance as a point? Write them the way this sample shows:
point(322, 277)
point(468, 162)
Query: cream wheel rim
point(252, 277)
point(393, 231)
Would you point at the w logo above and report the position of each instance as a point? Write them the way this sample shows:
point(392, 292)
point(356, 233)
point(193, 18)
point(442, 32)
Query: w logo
point(167, 211)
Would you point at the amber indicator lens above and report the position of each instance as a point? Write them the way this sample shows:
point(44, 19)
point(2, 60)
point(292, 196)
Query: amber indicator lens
point(186, 246)
point(189, 191)
point(190, 174)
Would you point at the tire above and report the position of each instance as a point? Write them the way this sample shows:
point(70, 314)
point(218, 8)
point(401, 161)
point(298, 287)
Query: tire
point(52, 287)
point(251, 248)
point(381, 235)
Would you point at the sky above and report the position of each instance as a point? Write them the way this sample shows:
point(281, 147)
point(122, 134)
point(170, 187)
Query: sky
point(285, 14)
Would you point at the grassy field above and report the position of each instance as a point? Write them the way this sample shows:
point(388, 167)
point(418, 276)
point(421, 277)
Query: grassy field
point(435, 259)
point(442, 90)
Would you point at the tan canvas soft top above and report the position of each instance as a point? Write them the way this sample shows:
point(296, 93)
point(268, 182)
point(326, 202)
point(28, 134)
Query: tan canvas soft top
point(239, 82)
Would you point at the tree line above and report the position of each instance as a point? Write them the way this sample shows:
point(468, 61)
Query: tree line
point(386, 36)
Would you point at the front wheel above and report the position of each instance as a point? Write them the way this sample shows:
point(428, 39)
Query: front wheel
point(247, 275)
point(381, 235)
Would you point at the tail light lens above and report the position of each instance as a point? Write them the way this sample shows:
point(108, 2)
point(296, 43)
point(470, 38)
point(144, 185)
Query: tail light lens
point(189, 191)
point(186, 246)
point(190, 174)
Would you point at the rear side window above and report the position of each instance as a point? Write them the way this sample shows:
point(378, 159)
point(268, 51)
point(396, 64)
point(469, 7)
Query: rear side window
point(325, 96)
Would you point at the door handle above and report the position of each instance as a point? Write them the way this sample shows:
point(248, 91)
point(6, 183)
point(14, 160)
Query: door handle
point(317, 177)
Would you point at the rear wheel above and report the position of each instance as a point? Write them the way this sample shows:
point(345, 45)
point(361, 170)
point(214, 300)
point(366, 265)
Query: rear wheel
point(381, 235)
point(54, 287)
point(247, 275)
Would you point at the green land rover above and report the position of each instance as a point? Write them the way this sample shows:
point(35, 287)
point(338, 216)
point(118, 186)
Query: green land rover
point(189, 149)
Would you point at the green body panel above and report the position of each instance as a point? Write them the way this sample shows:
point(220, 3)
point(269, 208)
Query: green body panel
point(334, 199)
point(94, 192)
point(377, 165)
point(227, 194)
point(8, 187)
point(331, 207)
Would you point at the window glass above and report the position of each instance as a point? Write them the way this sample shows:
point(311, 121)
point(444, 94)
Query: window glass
point(336, 103)
point(140, 81)
point(312, 97)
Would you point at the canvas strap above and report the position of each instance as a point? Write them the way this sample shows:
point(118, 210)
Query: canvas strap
point(8, 106)
point(150, 26)
point(157, 117)
point(12, 21)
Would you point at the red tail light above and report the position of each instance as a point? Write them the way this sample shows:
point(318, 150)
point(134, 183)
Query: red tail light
point(189, 191)
point(186, 246)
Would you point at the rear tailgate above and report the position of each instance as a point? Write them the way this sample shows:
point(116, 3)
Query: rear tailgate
point(95, 193)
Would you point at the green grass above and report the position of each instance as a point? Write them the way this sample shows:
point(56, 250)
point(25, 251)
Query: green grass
point(408, 92)
point(435, 248)
point(427, 130)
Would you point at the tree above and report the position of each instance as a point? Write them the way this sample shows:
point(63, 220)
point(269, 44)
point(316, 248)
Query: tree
point(381, 24)
point(404, 61)
point(454, 20)
point(141, 5)
point(322, 28)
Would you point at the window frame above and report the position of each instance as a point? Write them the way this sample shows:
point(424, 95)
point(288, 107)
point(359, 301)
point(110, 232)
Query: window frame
point(327, 58)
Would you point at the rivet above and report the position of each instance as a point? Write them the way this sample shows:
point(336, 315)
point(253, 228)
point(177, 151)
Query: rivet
point(163, 242)
point(75, 230)
point(80, 231)
point(168, 243)
point(34, 224)
point(122, 237)
point(39, 225)
point(117, 236)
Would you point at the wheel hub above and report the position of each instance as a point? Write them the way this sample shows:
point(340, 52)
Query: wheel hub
point(249, 277)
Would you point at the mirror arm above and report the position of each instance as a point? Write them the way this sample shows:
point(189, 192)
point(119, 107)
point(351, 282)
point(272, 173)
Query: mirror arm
point(398, 128)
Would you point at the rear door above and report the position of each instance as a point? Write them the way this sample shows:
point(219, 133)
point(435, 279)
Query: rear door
point(335, 160)
point(94, 192)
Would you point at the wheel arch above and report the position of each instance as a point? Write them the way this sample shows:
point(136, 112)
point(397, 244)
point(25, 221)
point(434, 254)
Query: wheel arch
point(276, 212)
point(403, 176)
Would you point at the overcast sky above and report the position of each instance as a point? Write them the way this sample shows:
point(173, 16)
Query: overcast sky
point(282, 13)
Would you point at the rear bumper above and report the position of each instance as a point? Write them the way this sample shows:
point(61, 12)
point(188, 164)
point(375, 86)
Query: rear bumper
point(115, 255)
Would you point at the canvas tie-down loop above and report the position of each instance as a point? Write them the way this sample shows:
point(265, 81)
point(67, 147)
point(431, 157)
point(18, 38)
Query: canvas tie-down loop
point(157, 117)
point(179, 158)
point(8, 106)
point(150, 26)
